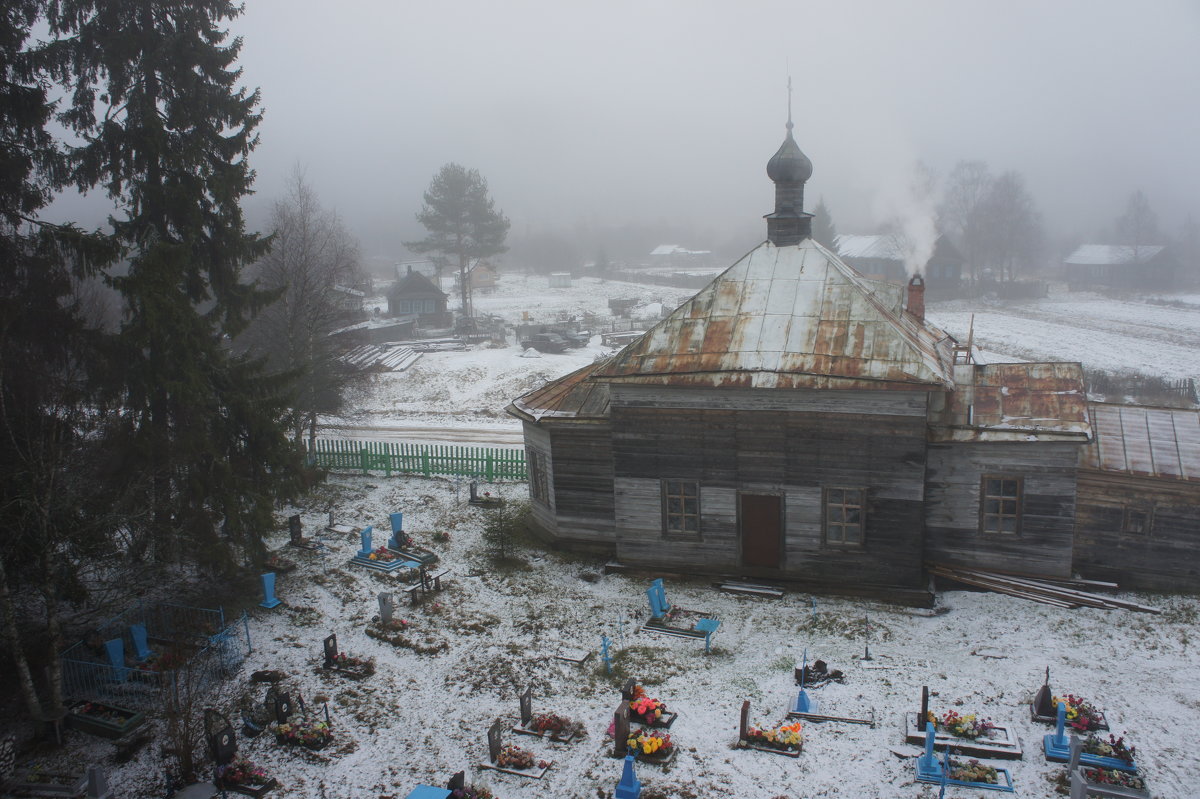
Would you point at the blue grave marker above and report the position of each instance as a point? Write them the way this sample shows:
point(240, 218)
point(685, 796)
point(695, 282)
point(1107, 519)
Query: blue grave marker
point(366, 541)
point(804, 704)
point(116, 657)
point(141, 647)
point(629, 787)
point(269, 598)
point(398, 539)
point(604, 655)
point(927, 765)
point(658, 599)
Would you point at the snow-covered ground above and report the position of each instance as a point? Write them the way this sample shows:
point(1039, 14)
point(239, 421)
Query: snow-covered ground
point(422, 717)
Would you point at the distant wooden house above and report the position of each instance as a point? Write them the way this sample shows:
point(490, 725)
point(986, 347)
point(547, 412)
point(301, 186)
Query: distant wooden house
point(1138, 502)
point(415, 295)
point(881, 257)
point(349, 299)
point(1117, 266)
point(483, 276)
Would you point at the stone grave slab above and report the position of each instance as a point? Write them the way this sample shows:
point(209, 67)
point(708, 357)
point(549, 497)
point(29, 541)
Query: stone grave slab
point(529, 726)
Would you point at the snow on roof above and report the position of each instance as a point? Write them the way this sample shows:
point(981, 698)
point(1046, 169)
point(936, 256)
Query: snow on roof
point(853, 245)
point(1112, 254)
point(675, 249)
point(1151, 442)
point(349, 291)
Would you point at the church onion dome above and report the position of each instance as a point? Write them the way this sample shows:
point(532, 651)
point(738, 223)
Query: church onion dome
point(789, 164)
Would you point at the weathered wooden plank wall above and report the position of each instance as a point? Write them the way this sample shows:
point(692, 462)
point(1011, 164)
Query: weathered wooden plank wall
point(1044, 543)
point(789, 443)
point(1165, 558)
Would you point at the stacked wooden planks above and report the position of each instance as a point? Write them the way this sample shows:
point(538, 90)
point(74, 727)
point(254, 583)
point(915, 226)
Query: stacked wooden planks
point(1039, 590)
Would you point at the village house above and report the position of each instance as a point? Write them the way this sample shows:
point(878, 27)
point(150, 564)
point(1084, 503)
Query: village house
point(415, 295)
point(882, 257)
point(1120, 266)
point(796, 421)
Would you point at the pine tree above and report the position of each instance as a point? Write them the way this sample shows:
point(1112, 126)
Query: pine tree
point(462, 223)
point(170, 146)
point(824, 230)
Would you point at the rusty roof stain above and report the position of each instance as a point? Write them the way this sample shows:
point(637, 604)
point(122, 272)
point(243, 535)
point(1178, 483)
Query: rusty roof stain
point(1147, 442)
point(1015, 401)
point(571, 396)
point(788, 317)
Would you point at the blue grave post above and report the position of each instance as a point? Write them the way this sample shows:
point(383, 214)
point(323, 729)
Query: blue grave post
point(366, 541)
point(708, 627)
point(604, 655)
point(398, 538)
point(927, 765)
point(803, 703)
point(116, 658)
point(269, 598)
point(629, 787)
point(658, 599)
point(141, 646)
point(945, 773)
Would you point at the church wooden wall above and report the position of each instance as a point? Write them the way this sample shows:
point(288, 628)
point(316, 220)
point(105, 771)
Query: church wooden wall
point(1165, 558)
point(1044, 544)
point(786, 442)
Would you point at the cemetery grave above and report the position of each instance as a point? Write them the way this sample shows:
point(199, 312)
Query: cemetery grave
point(230, 772)
point(967, 733)
point(650, 745)
point(296, 534)
point(402, 544)
point(559, 729)
point(1105, 752)
point(485, 499)
point(1082, 715)
point(781, 739)
point(380, 559)
point(337, 662)
point(968, 774)
point(806, 707)
point(668, 619)
point(644, 709)
point(512, 759)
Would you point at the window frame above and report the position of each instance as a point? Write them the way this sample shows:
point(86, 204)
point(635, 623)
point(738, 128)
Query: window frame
point(829, 524)
point(1018, 499)
point(539, 476)
point(1146, 511)
point(666, 495)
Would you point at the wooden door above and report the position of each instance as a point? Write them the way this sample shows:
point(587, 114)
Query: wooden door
point(760, 518)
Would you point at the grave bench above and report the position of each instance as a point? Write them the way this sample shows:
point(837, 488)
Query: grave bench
point(430, 582)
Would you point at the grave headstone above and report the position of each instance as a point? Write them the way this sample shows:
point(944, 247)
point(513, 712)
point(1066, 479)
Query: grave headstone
point(331, 524)
point(365, 535)
point(526, 706)
point(331, 649)
point(295, 530)
point(398, 539)
point(621, 730)
point(629, 787)
point(116, 658)
point(141, 643)
point(281, 705)
point(923, 717)
point(1043, 700)
point(97, 783)
point(494, 741)
point(867, 638)
point(628, 688)
point(222, 745)
point(458, 782)
point(474, 491)
point(658, 599)
point(744, 721)
point(386, 608)
point(269, 598)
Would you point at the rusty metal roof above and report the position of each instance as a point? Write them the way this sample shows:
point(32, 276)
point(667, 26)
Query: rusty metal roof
point(572, 396)
point(785, 317)
point(1149, 442)
point(1015, 401)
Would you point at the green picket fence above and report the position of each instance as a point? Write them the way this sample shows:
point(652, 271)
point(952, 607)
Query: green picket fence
point(427, 460)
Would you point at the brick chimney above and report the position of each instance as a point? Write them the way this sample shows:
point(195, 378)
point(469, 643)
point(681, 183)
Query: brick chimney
point(916, 298)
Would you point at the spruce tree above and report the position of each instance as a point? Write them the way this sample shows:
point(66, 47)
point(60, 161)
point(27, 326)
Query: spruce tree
point(167, 132)
point(824, 230)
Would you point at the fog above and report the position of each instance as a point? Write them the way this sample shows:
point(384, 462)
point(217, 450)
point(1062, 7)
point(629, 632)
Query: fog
point(588, 116)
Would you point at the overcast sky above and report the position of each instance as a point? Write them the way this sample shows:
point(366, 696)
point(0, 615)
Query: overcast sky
point(606, 113)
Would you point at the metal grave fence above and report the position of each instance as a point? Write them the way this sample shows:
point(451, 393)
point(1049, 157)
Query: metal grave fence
point(427, 460)
point(188, 644)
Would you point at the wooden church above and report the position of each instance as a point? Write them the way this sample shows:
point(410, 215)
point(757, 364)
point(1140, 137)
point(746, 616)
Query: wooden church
point(795, 421)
